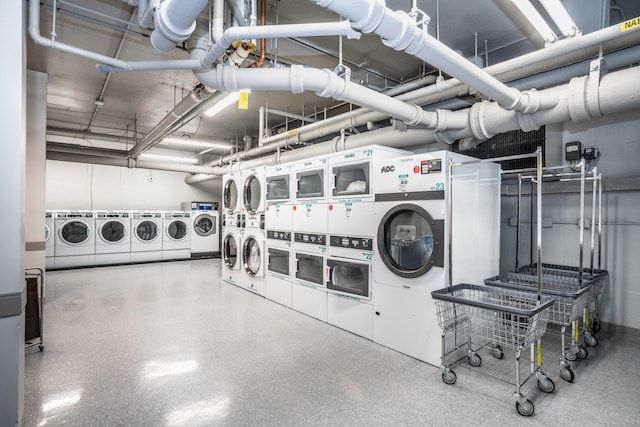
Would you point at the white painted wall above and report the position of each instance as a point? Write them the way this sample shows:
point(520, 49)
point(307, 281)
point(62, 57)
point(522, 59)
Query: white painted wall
point(83, 186)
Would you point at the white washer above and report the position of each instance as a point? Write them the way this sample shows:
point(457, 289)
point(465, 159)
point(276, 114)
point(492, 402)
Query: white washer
point(310, 196)
point(309, 294)
point(113, 240)
point(74, 239)
point(49, 238)
point(279, 267)
point(254, 254)
point(204, 233)
point(231, 259)
point(411, 242)
point(146, 236)
point(176, 235)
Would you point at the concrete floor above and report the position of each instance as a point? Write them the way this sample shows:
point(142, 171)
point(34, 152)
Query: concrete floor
point(167, 344)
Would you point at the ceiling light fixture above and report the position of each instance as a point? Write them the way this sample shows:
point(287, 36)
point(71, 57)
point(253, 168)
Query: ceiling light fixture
point(174, 140)
point(164, 158)
point(224, 103)
point(535, 19)
point(561, 17)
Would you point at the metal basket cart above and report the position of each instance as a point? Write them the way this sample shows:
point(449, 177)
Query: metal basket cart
point(595, 278)
point(34, 308)
point(503, 317)
point(570, 297)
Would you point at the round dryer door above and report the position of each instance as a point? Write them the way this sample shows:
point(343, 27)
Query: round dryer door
point(230, 251)
point(252, 194)
point(147, 231)
point(410, 241)
point(47, 232)
point(230, 196)
point(177, 230)
point(204, 225)
point(251, 256)
point(75, 232)
point(113, 231)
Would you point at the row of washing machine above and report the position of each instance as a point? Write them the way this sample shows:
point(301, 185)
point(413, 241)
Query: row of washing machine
point(85, 238)
point(359, 238)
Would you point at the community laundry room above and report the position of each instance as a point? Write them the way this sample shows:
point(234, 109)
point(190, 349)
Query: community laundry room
point(319, 212)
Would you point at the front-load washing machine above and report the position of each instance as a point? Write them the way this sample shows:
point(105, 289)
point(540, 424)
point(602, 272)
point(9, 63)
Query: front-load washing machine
point(310, 196)
point(204, 233)
point(231, 258)
point(146, 236)
point(254, 254)
point(48, 238)
point(113, 240)
point(279, 268)
point(309, 294)
point(350, 295)
point(176, 235)
point(412, 242)
point(74, 239)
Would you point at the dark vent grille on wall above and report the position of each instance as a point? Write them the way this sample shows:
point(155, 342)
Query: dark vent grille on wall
point(507, 144)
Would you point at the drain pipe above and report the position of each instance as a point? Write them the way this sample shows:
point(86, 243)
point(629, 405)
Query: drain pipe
point(175, 21)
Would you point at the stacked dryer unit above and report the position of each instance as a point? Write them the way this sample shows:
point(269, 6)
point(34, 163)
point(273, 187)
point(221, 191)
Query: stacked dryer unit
point(411, 212)
point(278, 222)
point(254, 237)
point(309, 294)
point(146, 236)
point(113, 240)
point(231, 228)
point(49, 239)
point(351, 229)
point(176, 235)
point(74, 239)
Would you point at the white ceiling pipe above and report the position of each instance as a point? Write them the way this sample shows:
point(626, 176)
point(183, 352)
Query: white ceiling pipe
point(175, 21)
point(399, 31)
point(83, 149)
point(324, 83)
point(217, 24)
point(238, 8)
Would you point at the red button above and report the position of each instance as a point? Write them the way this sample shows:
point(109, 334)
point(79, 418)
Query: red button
point(330, 207)
point(294, 207)
point(416, 169)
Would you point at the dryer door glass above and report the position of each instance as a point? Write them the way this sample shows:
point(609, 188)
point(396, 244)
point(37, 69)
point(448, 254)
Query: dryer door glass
point(230, 251)
point(252, 194)
point(147, 231)
point(310, 268)
point(230, 196)
point(278, 261)
point(75, 232)
point(205, 225)
point(310, 184)
point(407, 236)
point(113, 231)
point(349, 277)
point(177, 230)
point(251, 256)
point(351, 179)
point(277, 187)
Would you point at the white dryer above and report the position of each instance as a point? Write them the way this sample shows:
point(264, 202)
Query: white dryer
point(412, 240)
point(49, 238)
point(309, 294)
point(231, 198)
point(279, 184)
point(310, 196)
point(254, 254)
point(74, 239)
point(146, 237)
point(253, 191)
point(279, 268)
point(176, 235)
point(231, 258)
point(113, 240)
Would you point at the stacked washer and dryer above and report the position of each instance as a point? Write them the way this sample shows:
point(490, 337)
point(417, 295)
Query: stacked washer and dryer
point(113, 241)
point(74, 239)
point(253, 253)
point(232, 225)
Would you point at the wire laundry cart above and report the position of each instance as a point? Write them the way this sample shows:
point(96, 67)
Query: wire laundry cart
point(570, 297)
point(34, 307)
point(504, 318)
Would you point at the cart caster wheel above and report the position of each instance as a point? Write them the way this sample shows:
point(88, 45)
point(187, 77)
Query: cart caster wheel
point(582, 353)
point(525, 409)
point(570, 354)
point(497, 352)
point(590, 340)
point(449, 377)
point(41, 347)
point(546, 385)
point(474, 360)
point(567, 374)
point(595, 325)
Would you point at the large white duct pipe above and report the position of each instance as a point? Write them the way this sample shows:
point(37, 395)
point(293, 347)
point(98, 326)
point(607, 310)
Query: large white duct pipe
point(175, 21)
point(617, 92)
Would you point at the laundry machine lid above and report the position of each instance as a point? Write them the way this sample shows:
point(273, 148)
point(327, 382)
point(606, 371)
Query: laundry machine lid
point(177, 230)
point(251, 256)
point(204, 225)
point(230, 196)
point(147, 230)
point(75, 232)
point(252, 194)
point(410, 241)
point(113, 231)
point(230, 250)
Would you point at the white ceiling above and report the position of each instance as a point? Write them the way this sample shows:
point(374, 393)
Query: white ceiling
point(136, 101)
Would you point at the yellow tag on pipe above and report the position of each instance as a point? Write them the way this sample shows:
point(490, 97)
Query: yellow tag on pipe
point(243, 100)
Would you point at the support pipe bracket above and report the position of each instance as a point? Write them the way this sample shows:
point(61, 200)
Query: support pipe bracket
point(597, 69)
